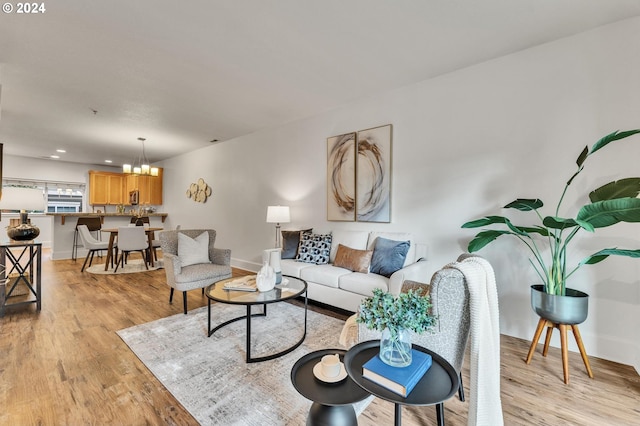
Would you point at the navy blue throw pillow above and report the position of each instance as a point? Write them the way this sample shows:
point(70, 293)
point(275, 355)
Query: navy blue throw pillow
point(388, 256)
point(290, 242)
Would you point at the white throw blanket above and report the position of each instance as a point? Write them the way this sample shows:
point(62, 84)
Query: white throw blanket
point(485, 407)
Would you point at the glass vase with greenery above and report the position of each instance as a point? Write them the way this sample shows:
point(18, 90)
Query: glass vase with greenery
point(395, 317)
point(611, 203)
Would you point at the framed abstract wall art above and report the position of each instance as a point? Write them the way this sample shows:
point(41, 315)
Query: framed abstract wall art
point(341, 177)
point(373, 174)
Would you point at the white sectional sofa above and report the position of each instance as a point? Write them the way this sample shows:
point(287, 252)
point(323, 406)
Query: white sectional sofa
point(345, 289)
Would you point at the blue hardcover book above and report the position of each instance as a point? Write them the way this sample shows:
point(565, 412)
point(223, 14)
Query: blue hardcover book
point(400, 380)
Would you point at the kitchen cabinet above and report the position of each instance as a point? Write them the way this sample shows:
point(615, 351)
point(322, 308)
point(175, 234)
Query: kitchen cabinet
point(106, 188)
point(149, 188)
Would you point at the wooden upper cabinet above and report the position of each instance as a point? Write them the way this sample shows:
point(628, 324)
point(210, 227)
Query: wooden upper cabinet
point(155, 189)
point(105, 188)
point(114, 188)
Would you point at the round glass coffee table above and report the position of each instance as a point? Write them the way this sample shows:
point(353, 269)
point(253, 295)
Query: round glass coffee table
point(289, 288)
point(437, 385)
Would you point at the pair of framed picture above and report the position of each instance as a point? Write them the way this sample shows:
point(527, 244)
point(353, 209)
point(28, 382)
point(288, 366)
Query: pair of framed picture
point(359, 176)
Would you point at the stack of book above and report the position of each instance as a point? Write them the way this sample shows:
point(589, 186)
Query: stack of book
point(246, 283)
point(400, 380)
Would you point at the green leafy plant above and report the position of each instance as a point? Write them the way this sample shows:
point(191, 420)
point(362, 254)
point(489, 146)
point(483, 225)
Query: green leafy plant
point(610, 204)
point(409, 311)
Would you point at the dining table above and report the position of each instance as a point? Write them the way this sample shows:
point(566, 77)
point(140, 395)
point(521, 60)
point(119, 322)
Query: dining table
point(113, 233)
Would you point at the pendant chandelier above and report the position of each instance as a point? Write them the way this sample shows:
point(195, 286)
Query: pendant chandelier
point(141, 166)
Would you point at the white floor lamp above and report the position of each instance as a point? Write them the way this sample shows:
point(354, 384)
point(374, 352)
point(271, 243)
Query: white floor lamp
point(278, 215)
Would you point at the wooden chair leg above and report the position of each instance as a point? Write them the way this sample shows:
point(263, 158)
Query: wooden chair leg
point(583, 353)
point(565, 352)
point(120, 260)
point(536, 337)
point(171, 296)
point(144, 259)
point(184, 301)
point(85, 262)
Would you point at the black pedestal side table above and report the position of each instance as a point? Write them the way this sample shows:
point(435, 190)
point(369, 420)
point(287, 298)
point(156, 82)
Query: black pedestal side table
point(21, 258)
point(437, 385)
point(332, 402)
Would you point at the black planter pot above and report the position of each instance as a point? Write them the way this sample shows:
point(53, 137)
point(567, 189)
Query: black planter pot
point(572, 308)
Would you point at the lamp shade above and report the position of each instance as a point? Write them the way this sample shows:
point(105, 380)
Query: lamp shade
point(14, 198)
point(23, 199)
point(278, 214)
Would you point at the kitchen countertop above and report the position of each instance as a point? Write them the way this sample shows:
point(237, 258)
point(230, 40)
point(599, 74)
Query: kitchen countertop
point(63, 216)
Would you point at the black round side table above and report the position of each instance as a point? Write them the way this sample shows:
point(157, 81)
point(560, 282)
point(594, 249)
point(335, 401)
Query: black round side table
point(437, 385)
point(332, 402)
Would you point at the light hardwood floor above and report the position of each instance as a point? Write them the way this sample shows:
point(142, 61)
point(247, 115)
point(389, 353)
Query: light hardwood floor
point(66, 365)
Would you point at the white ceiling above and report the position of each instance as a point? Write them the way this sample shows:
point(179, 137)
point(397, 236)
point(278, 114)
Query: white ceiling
point(183, 73)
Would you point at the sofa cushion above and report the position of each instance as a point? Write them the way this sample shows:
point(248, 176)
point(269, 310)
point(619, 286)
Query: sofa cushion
point(352, 259)
point(327, 275)
point(290, 242)
point(388, 256)
point(397, 236)
point(354, 239)
point(203, 271)
point(314, 248)
point(363, 284)
point(193, 250)
point(292, 267)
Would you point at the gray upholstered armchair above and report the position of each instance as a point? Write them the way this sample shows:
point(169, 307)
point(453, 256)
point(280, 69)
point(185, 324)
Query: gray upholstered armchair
point(198, 275)
point(450, 303)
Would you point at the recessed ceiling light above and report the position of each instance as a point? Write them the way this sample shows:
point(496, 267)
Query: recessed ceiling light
point(60, 150)
point(108, 161)
point(54, 156)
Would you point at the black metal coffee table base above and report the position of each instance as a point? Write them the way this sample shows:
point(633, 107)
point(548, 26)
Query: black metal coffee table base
point(248, 316)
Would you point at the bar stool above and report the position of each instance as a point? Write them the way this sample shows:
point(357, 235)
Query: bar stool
point(93, 223)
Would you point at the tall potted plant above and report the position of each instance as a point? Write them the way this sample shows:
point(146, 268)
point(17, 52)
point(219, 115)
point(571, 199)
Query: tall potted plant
point(609, 204)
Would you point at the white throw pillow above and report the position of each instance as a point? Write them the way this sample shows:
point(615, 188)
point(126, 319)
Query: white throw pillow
point(192, 251)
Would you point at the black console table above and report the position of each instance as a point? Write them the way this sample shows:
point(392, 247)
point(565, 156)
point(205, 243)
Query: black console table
point(21, 258)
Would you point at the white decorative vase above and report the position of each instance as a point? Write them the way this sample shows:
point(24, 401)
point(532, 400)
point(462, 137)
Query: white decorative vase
point(266, 278)
point(273, 257)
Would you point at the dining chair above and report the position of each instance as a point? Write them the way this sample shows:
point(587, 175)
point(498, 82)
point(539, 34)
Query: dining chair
point(132, 239)
point(155, 244)
point(90, 243)
point(93, 223)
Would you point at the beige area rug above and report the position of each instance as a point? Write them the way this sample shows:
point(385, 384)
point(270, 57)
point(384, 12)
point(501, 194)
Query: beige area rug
point(131, 267)
point(209, 376)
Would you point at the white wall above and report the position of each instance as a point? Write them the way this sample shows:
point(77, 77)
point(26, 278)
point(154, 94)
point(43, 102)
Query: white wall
point(464, 144)
point(51, 170)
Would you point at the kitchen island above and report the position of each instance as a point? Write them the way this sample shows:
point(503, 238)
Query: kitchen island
point(64, 226)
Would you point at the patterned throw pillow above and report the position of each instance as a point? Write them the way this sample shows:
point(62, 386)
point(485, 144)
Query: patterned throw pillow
point(314, 248)
point(290, 242)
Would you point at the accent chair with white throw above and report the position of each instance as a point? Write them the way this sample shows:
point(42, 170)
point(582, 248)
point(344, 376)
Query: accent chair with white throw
point(464, 300)
point(191, 261)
